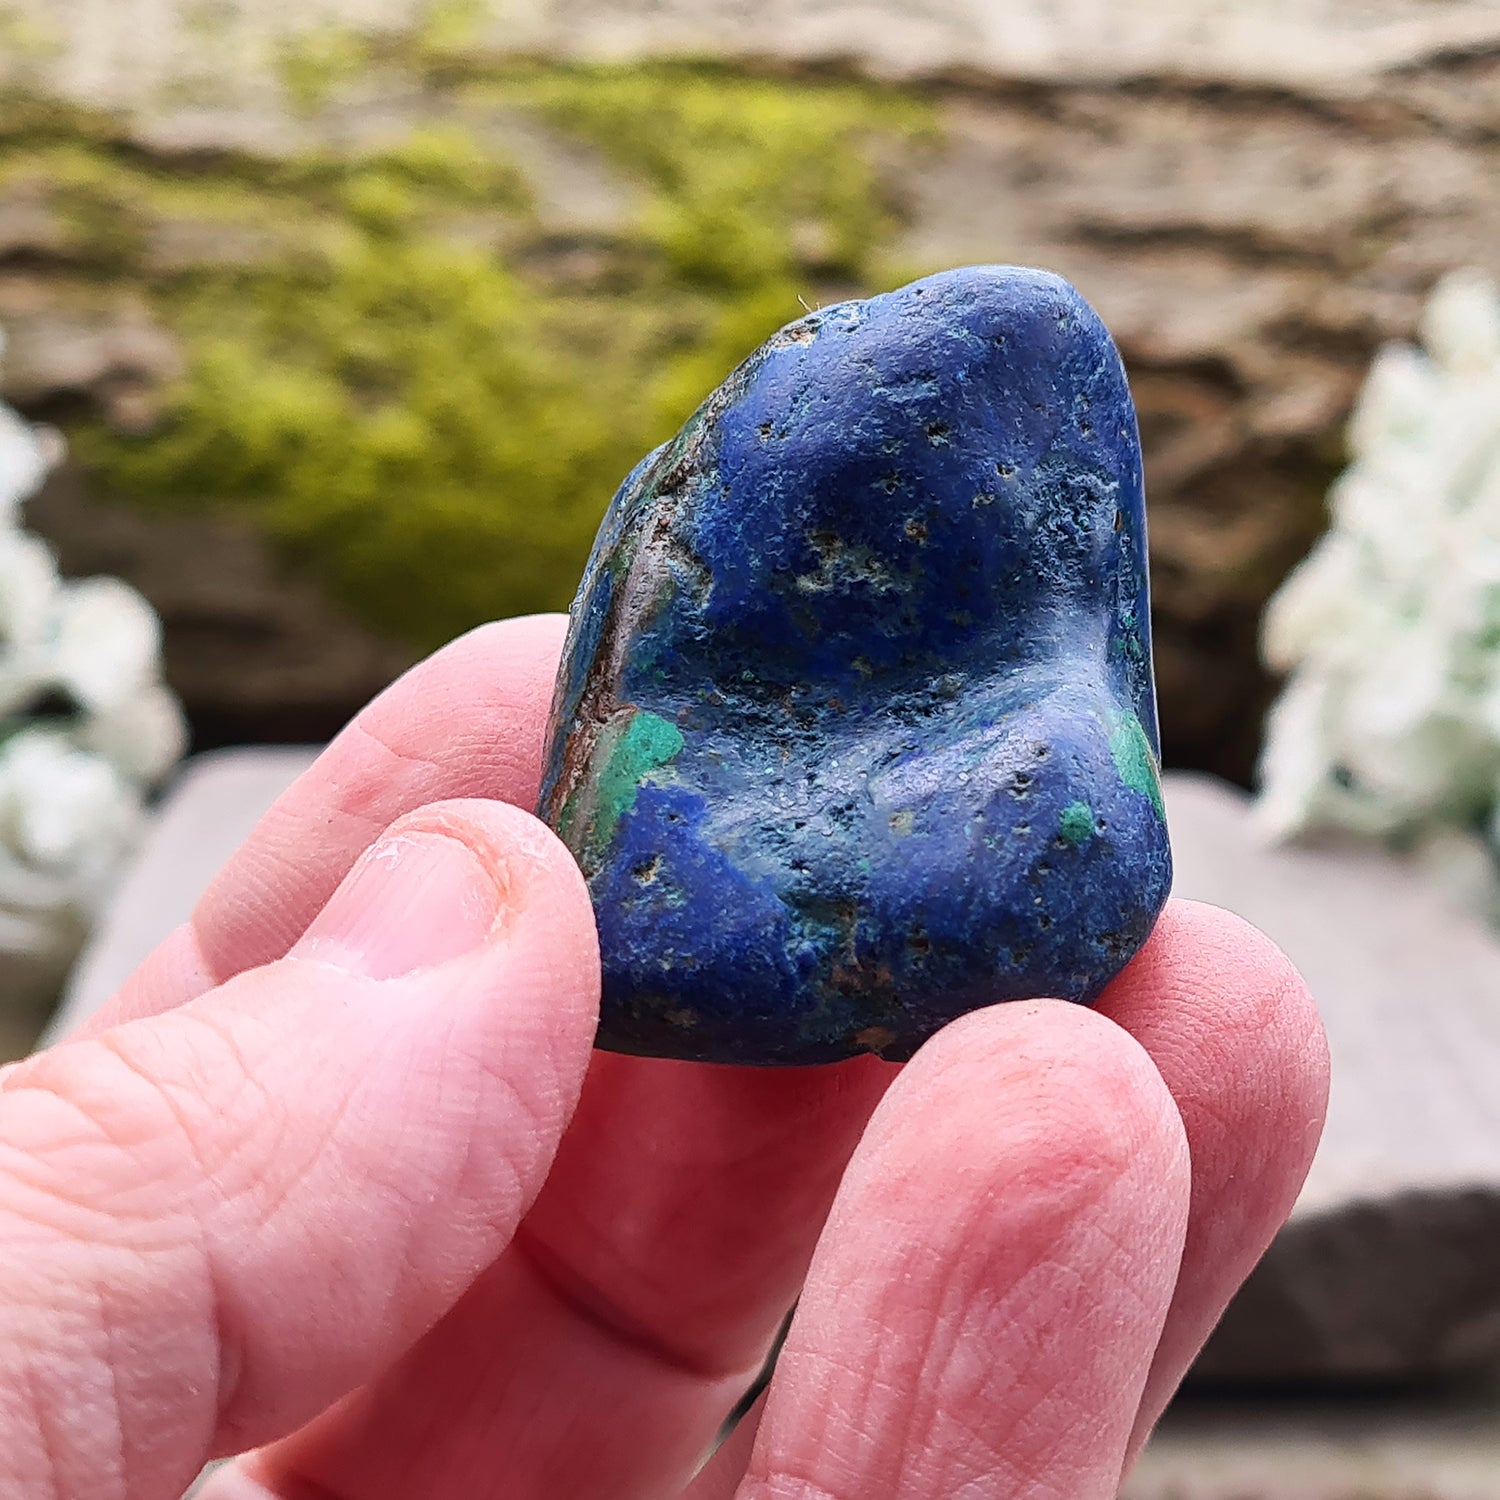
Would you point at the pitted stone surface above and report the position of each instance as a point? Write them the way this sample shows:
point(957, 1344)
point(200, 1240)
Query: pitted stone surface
point(855, 729)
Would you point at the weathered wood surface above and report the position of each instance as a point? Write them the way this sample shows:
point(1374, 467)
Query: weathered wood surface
point(126, 49)
point(259, 655)
point(1390, 1267)
point(1406, 1447)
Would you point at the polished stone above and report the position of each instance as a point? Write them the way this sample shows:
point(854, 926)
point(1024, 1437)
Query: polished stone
point(855, 729)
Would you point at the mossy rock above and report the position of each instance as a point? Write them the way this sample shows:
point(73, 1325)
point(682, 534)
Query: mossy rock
point(576, 253)
point(390, 360)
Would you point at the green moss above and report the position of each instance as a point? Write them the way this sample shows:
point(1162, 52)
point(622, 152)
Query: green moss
point(755, 181)
point(26, 41)
point(312, 64)
point(401, 382)
point(447, 32)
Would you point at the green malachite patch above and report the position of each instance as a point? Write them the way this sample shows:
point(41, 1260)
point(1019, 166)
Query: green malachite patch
point(1134, 761)
point(626, 753)
point(860, 854)
point(1076, 823)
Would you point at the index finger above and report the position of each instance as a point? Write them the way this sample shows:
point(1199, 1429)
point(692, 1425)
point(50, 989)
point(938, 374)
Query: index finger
point(469, 721)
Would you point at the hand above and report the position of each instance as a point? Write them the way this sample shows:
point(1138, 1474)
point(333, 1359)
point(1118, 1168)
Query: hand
point(337, 1178)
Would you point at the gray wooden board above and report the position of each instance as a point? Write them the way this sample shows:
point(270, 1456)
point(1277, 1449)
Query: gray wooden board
point(215, 801)
point(1390, 1267)
point(1413, 1447)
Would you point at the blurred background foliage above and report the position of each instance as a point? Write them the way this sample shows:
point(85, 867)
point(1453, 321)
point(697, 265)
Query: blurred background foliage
point(408, 400)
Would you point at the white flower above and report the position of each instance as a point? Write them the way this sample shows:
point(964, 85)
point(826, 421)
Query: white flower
point(26, 454)
point(143, 737)
point(1389, 722)
point(1461, 324)
point(1320, 601)
point(23, 464)
point(104, 642)
point(86, 729)
point(28, 589)
point(28, 586)
point(59, 803)
point(1294, 771)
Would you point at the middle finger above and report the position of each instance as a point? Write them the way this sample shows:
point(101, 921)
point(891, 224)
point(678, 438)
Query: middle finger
point(981, 1315)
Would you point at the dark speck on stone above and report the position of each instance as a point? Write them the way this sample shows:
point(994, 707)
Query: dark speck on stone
point(809, 683)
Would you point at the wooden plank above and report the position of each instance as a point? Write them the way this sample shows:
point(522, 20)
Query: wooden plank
point(1390, 1267)
point(1437, 1447)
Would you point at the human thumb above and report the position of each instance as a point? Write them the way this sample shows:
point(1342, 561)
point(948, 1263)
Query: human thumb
point(216, 1221)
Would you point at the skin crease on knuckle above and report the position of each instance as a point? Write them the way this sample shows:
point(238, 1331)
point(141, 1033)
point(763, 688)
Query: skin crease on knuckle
point(129, 1132)
point(163, 1151)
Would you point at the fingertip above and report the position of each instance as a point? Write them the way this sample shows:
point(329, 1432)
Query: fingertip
point(469, 721)
point(1210, 983)
point(544, 938)
point(517, 632)
point(506, 669)
point(1041, 1088)
point(1193, 939)
point(1001, 1257)
point(532, 870)
point(482, 914)
point(233, 1482)
point(1065, 1057)
point(530, 643)
point(448, 879)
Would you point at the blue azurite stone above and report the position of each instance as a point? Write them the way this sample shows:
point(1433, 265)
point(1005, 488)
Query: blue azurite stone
point(855, 729)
